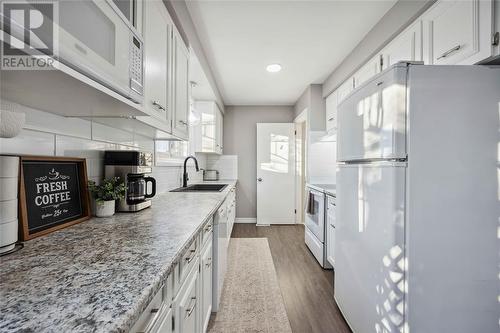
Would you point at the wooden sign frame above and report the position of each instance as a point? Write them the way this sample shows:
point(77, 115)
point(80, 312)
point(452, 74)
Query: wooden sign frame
point(24, 231)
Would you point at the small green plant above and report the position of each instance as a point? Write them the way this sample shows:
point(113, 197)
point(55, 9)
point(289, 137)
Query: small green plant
point(109, 189)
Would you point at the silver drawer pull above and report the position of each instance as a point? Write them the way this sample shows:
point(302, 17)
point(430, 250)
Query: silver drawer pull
point(159, 106)
point(450, 51)
point(331, 119)
point(189, 259)
point(209, 263)
point(208, 228)
point(191, 309)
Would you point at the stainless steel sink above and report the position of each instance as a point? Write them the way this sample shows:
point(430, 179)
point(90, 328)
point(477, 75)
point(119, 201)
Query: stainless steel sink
point(201, 188)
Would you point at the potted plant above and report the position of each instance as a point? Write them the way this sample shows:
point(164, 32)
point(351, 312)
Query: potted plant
point(105, 195)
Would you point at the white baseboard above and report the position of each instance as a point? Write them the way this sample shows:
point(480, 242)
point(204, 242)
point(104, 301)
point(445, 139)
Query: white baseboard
point(245, 220)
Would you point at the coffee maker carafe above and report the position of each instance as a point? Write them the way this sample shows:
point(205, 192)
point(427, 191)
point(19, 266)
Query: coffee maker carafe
point(132, 167)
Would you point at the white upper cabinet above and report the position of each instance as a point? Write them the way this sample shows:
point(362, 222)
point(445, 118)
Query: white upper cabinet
point(219, 130)
point(457, 32)
point(331, 113)
point(207, 130)
point(407, 46)
point(345, 89)
point(157, 30)
point(370, 69)
point(496, 31)
point(180, 86)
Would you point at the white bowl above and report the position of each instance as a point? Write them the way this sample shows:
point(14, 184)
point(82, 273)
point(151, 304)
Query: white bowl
point(8, 211)
point(8, 188)
point(9, 166)
point(11, 123)
point(8, 235)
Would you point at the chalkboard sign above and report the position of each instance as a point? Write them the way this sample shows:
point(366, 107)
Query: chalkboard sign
point(53, 194)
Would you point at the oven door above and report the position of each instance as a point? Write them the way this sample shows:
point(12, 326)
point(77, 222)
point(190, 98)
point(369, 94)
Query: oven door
point(95, 39)
point(315, 213)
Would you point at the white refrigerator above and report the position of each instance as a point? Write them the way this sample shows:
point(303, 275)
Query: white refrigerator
point(418, 227)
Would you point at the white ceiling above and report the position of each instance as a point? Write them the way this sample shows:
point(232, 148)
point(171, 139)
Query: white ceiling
point(308, 38)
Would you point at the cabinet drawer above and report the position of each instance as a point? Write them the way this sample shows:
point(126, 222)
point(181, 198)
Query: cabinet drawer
point(187, 261)
point(149, 315)
point(163, 323)
point(187, 304)
point(207, 231)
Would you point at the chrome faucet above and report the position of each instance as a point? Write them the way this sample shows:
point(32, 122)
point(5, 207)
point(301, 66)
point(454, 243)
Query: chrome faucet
point(185, 175)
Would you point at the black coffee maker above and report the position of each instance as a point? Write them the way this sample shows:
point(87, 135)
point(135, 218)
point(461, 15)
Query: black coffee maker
point(132, 167)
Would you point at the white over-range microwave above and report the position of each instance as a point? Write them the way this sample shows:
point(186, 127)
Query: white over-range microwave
point(100, 39)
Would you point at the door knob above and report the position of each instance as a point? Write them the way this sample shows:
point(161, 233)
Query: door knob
point(259, 179)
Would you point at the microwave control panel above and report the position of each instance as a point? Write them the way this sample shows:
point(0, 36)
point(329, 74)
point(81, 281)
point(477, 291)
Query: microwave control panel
point(136, 65)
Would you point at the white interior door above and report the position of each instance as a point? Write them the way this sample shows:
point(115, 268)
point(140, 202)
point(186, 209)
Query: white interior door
point(275, 173)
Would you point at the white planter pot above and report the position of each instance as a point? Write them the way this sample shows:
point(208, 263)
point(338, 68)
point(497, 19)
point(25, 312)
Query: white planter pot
point(105, 208)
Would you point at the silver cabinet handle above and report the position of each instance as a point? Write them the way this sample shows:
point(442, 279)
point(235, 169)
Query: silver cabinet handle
point(331, 119)
point(209, 263)
point(450, 51)
point(331, 225)
point(191, 309)
point(189, 259)
point(259, 179)
point(208, 228)
point(183, 122)
point(159, 106)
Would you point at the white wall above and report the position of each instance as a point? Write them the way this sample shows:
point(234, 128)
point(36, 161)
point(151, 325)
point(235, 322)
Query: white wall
point(51, 135)
point(240, 137)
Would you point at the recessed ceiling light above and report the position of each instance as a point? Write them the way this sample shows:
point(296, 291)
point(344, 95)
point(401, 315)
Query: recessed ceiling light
point(273, 68)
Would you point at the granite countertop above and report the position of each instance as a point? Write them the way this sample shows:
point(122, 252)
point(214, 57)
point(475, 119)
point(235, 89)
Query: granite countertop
point(99, 275)
point(330, 189)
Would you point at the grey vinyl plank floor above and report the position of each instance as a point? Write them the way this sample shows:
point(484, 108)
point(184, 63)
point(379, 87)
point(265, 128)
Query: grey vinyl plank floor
point(307, 288)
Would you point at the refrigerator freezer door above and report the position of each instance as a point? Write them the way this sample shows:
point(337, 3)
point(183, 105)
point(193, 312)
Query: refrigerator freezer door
point(372, 120)
point(370, 257)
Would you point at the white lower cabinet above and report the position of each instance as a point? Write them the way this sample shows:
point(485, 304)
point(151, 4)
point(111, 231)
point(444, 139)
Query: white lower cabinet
point(157, 317)
point(330, 230)
point(206, 284)
point(186, 304)
point(458, 32)
point(164, 322)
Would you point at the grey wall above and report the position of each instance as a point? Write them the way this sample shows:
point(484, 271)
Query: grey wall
point(240, 136)
point(400, 16)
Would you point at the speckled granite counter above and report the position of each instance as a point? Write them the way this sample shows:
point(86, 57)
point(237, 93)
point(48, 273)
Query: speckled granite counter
point(99, 275)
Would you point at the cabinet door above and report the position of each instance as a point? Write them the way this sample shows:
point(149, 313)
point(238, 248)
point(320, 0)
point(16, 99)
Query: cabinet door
point(330, 219)
point(331, 112)
point(407, 46)
point(369, 70)
point(180, 126)
point(206, 285)
point(208, 126)
point(219, 130)
point(157, 26)
point(187, 304)
point(458, 32)
point(345, 89)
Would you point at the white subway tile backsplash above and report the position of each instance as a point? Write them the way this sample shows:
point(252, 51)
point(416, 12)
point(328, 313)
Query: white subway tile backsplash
point(227, 165)
point(47, 134)
point(28, 142)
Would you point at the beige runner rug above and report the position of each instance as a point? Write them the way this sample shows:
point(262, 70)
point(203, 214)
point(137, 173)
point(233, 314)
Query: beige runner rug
point(251, 299)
